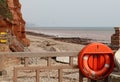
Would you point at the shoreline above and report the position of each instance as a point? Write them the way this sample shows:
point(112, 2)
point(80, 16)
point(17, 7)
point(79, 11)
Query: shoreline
point(76, 40)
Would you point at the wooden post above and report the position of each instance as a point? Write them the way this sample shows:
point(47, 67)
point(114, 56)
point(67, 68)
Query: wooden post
point(71, 60)
point(49, 62)
point(15, 75)
point(80, 76)
point(26, 61)
point(37, 75)
point(59, 75)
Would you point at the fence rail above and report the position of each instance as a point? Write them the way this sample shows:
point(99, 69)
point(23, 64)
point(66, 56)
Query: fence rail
point(49, 66)
point(39, 54)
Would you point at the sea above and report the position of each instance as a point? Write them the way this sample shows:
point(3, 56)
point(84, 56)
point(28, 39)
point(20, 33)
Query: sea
point(97, 34)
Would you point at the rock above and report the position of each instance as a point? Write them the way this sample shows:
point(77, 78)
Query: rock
point(60, 59)
point(114, 77)
point(52, 48)
point(49, 43)
point(66, 60)
point(117, 59)
point(3, 72)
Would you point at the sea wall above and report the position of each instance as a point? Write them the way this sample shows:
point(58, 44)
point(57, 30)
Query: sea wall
point(115, 39)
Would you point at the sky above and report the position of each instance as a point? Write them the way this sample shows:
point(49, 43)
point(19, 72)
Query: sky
point(71, 13)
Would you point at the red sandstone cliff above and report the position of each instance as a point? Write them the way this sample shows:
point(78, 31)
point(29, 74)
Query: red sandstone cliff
point(15, 22)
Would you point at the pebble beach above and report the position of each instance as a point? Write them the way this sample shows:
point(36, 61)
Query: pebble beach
point(40, 42)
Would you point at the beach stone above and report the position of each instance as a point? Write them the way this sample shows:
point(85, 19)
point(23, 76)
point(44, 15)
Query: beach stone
point(58, 59)
point(48, 43)
point(51, 49)
point(66, 60)
point(114, 77)
point(62, 59)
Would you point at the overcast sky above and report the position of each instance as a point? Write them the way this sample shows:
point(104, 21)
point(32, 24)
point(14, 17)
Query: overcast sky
point(72, 13)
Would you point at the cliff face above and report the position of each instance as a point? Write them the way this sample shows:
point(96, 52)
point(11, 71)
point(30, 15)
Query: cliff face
point(11, 19)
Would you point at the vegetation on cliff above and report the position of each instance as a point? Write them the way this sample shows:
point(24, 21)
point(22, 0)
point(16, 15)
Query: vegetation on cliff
point(4, 10)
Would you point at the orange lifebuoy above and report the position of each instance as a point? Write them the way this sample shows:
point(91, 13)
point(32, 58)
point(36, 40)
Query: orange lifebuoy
point(96, 61)
point(95, 74)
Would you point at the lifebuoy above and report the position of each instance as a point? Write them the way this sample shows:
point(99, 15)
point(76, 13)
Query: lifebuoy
point(96, 61)
point(95, 74)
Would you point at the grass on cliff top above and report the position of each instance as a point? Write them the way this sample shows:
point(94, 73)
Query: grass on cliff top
point(4, 10)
